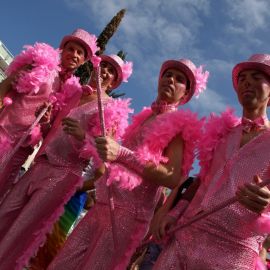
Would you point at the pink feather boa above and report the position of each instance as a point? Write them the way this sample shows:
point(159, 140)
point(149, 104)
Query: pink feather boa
point(127, 68)
point(201, 80)
point(68, 89)
point(35, 136)
point(216, 128)
point(116, 120)
point(58, 100)
point(158, 135)
point(44, 63)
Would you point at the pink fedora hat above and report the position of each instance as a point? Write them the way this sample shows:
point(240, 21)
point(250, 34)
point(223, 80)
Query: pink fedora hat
point(87, 40)
point(259, 62)
point(123, 68)
point(187, 67)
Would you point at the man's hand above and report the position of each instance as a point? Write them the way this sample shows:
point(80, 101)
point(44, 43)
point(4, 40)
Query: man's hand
point(107, 148)
point(73, 128)
point(156, 222)
point(166, 223)
point(254, 197)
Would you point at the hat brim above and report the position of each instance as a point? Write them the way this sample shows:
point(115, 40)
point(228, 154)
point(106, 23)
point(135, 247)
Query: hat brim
point(186, 70)
point(80, 41)
point(248, 65)
point(119, 78)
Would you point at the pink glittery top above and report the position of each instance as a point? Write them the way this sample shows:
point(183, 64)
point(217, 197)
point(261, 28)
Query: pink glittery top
point(231, 167)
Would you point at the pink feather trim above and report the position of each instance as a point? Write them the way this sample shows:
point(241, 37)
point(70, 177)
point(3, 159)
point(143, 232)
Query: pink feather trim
point(116, 120)
point(89, 150)
point(69, 88)
point(35, 136)
point(157, 136)
point(124, 177)
point(215, 129)
point(44, 63)
point(127, 69)
point(164, 129)
point(92, 42)
point(201, 80)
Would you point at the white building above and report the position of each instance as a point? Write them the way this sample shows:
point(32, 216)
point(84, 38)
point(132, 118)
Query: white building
point(5, 59)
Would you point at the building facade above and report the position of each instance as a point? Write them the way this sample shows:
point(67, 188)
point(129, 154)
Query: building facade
point(5, 59)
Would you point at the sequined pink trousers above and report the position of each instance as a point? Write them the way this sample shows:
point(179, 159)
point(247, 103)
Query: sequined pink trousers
point(90, 246)
point(12, 169)
point(199, 249)
point(30, 210)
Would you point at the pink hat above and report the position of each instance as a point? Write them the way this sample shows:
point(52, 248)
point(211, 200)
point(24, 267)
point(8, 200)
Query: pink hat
point(259, 62)
point(123, 68)
point(87, 40)
point(197, 78)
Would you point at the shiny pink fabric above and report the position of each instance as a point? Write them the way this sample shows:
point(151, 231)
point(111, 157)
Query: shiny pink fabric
point(37, 200)
point(15, 119)
point(225, 239)
point(90, 246)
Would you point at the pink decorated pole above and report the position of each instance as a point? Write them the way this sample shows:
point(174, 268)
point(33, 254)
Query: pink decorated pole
point(212, 211)
point(96, 62)
point(23, 138)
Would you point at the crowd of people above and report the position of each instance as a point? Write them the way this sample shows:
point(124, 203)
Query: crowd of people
point(92, 157)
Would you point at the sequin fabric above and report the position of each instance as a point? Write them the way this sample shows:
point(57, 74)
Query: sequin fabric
point(37, 200)
point(15, 120)
point(223, 240)
point(90, 246)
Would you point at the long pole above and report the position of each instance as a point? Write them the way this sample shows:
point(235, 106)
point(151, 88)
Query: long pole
point(212, 211)
point(103, 130)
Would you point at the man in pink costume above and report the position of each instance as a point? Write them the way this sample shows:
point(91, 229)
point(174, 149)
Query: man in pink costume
point(37, 200)
point(234, 159)
point(16, 118)
point(162, 140)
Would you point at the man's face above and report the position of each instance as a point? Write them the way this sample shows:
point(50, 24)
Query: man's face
point(253, 89)
point(172, 86)
point(73, 55)
point(108, 75)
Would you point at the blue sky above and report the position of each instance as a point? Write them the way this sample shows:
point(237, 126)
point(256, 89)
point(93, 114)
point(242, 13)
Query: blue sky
point(216, 33)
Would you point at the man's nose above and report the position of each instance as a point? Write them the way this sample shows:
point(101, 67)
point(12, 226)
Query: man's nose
point(246, 82)
point(170, 79)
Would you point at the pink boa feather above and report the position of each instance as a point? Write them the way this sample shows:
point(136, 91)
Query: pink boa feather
point(201, 80)
point(127, 68)
point(35, 135)
point(116, 120)
point(44, 61)
point(215, 129)
point(157, 137)
point(70, 87)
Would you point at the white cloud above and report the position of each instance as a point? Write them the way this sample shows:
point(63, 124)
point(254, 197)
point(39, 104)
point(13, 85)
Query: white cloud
point(248, 15)
point(209, 101)
point(151, 30)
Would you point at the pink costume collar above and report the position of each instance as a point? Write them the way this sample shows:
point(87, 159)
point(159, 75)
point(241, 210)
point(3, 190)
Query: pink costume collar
point(254, 125)
point(159, 107)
